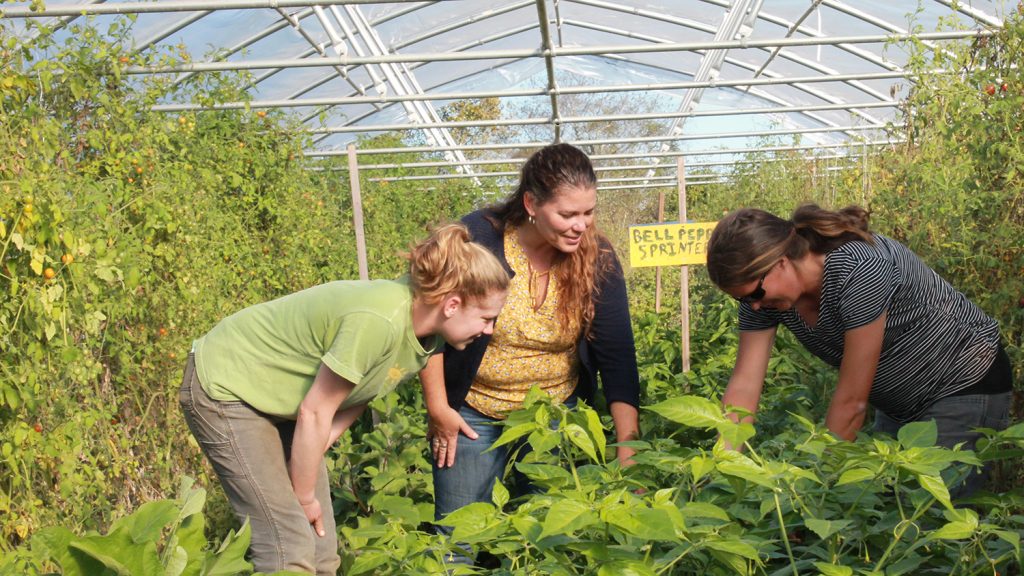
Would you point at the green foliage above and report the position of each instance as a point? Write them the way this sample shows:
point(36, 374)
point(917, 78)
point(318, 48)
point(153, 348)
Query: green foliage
point(125, 233)
point(954, 192)
point(161, 537)
point(803, 501)
point(107, 274)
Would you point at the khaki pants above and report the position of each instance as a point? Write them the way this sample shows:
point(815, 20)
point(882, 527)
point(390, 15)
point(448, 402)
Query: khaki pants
point(249, 451)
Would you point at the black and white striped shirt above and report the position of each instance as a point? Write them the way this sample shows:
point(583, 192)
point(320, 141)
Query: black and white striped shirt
point(936, 341)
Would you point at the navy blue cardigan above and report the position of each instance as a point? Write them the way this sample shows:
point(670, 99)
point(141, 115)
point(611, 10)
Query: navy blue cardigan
point(610, 349)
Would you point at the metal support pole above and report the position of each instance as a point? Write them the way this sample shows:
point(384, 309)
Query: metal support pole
point(657, 271)
point(684, 275)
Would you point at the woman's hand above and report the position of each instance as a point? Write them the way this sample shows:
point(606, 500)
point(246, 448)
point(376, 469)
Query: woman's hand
point(445, 425)
point(445, 421)
point(315, 515)
point(747, 379)
point(313, 435)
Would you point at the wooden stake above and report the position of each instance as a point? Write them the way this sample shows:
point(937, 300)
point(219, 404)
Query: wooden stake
point(357, 212)
point(657, 271)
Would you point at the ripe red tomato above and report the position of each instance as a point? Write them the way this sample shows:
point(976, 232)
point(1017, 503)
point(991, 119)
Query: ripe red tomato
point(990, 89)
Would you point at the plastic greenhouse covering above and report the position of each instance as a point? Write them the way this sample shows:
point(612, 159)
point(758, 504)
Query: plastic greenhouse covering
point(706, 78)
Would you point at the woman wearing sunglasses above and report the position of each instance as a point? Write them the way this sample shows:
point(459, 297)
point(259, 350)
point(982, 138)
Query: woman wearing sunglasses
point(904, 340)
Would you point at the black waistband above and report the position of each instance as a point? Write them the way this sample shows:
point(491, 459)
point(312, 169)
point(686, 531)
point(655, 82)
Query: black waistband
point(997, 380)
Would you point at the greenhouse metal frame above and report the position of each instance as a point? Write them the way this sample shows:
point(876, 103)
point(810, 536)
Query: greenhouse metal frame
point(718, 79)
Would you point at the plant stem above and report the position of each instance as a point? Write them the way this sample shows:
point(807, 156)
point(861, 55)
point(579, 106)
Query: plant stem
point(901, 529)
point(11, 235)
point(785, 537)
point(676, 559)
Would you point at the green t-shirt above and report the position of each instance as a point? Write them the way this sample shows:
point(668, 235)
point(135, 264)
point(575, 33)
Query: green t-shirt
point(267, 355)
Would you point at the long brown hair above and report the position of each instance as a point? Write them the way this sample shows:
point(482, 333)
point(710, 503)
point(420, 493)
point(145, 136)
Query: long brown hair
point(577, 274)
point(447, 262)
point(748, 242)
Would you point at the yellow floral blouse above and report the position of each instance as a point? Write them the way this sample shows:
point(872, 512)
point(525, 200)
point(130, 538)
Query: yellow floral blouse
point(528, 347)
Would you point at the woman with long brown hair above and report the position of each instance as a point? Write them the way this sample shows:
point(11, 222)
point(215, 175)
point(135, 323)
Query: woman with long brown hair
point(566, 319)
point(904, 340)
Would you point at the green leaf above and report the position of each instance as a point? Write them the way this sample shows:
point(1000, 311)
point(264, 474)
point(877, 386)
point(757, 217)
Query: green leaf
point(499, 495)
point(692, 411)
point(54, 544)
point(528, 527)
point(544, 440)
point(177, 561)
point(736, 433)
point(472, 523)
point(936, 487)
point(647, 524)
point(513, 433)
point(565, 516)
point(230, 557)
point(1012, 537)
point(368, 560)
point(147, 523)
point(953, 531)
point(396, 508)
point(928, 460)
point(745, 468)
point(918, 434)
point(700, 466)
point(545, 474)
point(191, 538)
point(833, 570)
point(737, 547)
point(855, 475)
point(120, 554)
point(625, 568)
point(193, 504)
point(579, 437)
point(735, 563)
point(596, 431)
point(704, 510)
point(1013, 432)
point(826, 528)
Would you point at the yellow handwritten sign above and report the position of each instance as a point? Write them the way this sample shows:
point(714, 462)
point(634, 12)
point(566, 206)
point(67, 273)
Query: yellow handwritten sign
point(672, 244)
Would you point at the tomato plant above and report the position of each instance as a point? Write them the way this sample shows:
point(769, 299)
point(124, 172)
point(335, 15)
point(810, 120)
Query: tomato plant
point(124, 234)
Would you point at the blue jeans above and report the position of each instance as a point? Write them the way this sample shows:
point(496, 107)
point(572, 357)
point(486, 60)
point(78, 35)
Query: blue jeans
point(472, 477)
point(249, 451)
point(956, 418)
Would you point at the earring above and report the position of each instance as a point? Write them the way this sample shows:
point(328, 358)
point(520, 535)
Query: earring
point(530, 219)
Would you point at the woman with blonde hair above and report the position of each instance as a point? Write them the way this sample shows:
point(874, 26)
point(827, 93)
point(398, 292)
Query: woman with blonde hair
point(566, 320)
point(270, 388)
point(904, 340)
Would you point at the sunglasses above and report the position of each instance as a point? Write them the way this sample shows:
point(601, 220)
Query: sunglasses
point(756, 294)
